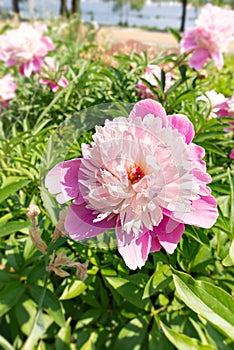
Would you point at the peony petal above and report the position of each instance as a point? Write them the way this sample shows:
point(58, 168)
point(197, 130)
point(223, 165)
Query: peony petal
point(169, 233)
point(79, 222)
point(188, 41)
point(26, 69)
point(155, 245)
point(183, 125)
point(122, 236)
point(148, 106)
point(199, 166)
point(48, 43)
point(63, 180)
point(218, 59)
point(204, 213)
point(199, 58)
point(136, 253)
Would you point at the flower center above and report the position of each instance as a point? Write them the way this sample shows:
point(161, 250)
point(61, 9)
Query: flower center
point(135, 174)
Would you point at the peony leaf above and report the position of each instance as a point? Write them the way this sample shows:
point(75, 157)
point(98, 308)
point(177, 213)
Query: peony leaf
point(207, 300)
point(182, 341)
point(132, 334)
point(10, 295)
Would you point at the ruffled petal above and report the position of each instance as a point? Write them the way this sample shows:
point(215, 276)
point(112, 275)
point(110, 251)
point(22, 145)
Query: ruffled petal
point(188, 41)
point(169, 233)
point(218, 59)
point(199, 58)
point(79, 222)
point(136, 253)
point(63, 180)
point(183, 125)
point(204, 212)
point(199, 166)
point(148, 106)
point(155, 245)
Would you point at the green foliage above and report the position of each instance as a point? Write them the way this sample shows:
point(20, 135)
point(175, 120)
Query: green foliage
point(178, 301)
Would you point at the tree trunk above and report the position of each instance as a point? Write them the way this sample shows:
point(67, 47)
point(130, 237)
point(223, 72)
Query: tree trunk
point(15, 6)
point(75, 6)
point(63, 8)
point(183, 18)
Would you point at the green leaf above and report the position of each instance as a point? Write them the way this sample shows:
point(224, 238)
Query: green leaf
point(41, 323)
point(14, 226)
point(158, 281)
point(129, 291)
point(23, 309)
point(73, 289)
point(5, 345)
point(175, 33)
point(10, 295)
point(12, 188)
point(51, 304)
point(157, 339)
point(182, 341)
point(132, 334)
point(87, 340)
point(89, 317)
point(62, 341)
point(209, 301)
point(229, 260)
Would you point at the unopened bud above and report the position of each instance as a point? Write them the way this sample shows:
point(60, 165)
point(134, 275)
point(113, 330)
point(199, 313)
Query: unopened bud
point(32, 211)
point(59, 229)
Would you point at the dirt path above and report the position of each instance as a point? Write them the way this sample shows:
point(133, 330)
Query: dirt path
point(156, 39)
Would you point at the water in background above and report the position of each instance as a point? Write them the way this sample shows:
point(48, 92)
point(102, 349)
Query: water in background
point(160, 15)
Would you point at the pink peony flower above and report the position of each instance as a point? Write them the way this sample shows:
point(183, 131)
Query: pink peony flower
point(223, 107)
point(26, 47)
point(7, 90)
point(141, 175)
point(232, 154)
point(209, 39)
point(215, 99)
point(51, 75)
point(151, 71)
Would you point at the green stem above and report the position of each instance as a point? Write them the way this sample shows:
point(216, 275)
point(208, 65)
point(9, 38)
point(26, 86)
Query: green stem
point(37, 329)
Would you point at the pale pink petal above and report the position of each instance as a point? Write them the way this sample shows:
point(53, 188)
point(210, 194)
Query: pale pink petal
point(63, 180)
point(79, 222)
point(44, 81)
point(199, 58)
point(218, 59)
point(136, 253)
point(199, 166)
point(63, 82)
point(54, 87)
point(169, 233)
point(11, 62)
point(204, 212)
point(148, 106)
point(26, 69)
point(188, 41)
point(123, 238)
point(48, 43)
point(183, 125)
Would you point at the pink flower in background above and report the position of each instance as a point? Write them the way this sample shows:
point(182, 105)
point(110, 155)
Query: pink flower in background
point(141, 175)
point(221, 106)
point(232, 154)
point(215, 99)
point(7, 90)
point(26, 47)
point(210, 38)
point(51, 75)
point(151, 71)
